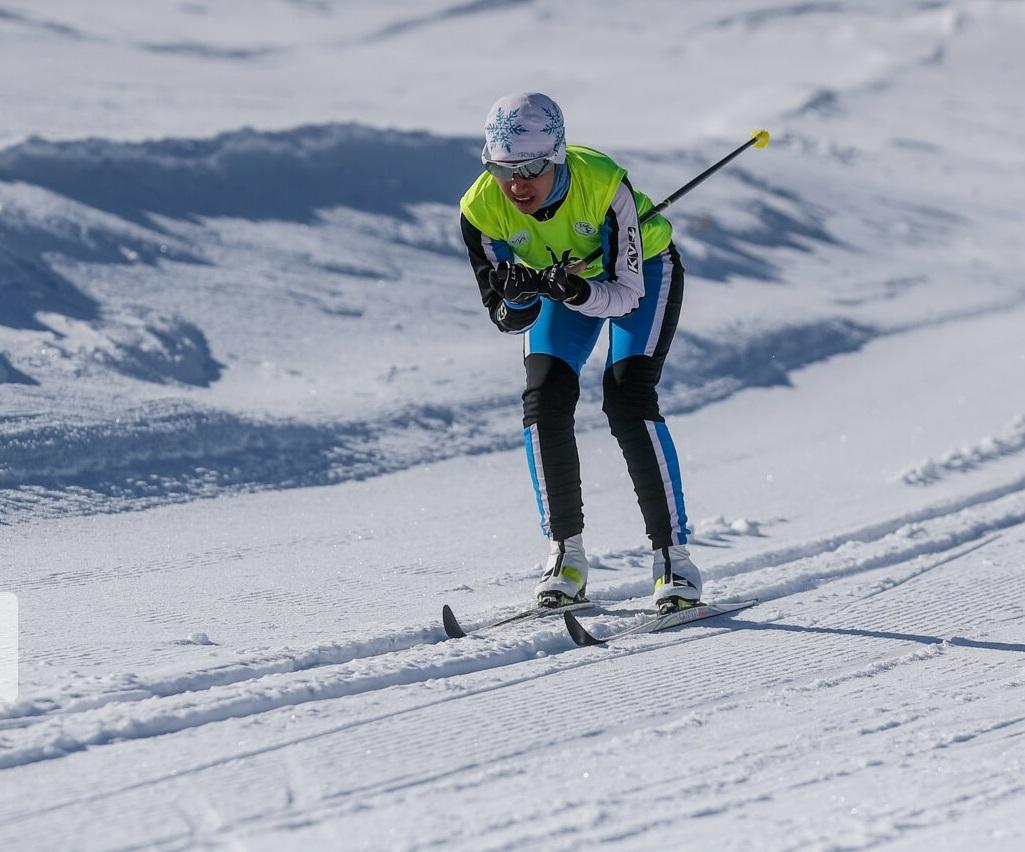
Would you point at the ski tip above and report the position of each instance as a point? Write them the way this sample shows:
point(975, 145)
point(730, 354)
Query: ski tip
point(728, 608)
point(451, 623)
point(578, 632)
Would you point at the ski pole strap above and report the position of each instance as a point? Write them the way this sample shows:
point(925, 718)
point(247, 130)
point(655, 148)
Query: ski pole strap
point(759, 139)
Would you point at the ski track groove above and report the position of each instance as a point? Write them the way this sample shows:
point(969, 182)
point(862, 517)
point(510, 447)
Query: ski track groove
point(865, 535)
point(619, 701)
point(686, 787)
point(33, 710)
point(712, 692)
point(178, 704)
point(616, 701)
point(237, 756)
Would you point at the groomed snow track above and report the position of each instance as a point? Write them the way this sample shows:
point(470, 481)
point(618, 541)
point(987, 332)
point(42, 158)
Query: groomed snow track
point(479, 714)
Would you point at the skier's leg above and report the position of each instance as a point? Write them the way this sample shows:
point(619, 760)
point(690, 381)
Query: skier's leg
point(549, 402)
point(638, 347)
point(554, 351)
point(631, 405)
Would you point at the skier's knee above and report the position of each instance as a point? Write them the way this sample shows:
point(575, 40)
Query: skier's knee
point(629, 390)
point(552, 391)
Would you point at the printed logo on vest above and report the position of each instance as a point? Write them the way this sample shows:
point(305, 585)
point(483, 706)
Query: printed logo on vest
point(520, 238)
point(585, 229)
point(632, 255)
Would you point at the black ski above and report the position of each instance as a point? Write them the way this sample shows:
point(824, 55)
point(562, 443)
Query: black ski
point(654, 623)
point(455, 630)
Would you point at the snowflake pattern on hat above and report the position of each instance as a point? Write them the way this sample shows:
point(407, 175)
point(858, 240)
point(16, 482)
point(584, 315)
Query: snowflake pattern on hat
point(503, 128)
point(524, 126)
point(555, 127)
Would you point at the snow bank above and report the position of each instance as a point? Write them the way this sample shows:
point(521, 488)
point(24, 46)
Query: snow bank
point(287, 175)
point(1010, 440)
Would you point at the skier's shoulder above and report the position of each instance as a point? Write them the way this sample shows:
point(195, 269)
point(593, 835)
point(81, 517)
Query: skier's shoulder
point(597, 176)
point(480, 201)
point(580, 157)
point(483, 187)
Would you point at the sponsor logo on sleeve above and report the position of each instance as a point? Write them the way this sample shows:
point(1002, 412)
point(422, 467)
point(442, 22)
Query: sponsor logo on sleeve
point(633, 255)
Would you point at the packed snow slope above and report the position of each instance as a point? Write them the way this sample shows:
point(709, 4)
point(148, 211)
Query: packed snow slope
point(230, 269)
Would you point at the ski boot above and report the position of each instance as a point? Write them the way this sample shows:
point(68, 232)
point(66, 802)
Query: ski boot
point(677, 580)
point(564, 580)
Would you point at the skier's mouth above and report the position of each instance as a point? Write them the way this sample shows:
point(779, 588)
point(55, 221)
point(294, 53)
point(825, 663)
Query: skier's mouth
point(523, 199)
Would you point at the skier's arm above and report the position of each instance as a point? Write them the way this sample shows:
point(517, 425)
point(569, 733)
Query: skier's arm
point(485, 255)
point(623, 255)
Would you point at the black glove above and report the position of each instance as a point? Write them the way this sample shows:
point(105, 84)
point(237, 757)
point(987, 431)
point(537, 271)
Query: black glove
point(560, 285)
point(515, 283)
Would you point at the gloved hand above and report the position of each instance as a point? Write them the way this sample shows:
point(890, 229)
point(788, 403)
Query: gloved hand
point(515, 283)
point(561, 285)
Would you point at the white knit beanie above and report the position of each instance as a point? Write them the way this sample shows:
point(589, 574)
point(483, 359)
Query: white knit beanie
point(522, 127)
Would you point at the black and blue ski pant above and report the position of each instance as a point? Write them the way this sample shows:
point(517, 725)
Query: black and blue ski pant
point(555, 349)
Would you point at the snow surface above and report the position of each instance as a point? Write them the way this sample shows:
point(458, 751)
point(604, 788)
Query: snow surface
point(255, 429)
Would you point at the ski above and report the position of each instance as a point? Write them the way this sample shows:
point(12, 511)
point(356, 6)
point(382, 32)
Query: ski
point(654, 623)
point(456, 631)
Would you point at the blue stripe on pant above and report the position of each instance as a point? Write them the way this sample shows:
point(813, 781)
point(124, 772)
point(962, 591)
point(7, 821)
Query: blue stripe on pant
point(533, 448)
point(673, 483)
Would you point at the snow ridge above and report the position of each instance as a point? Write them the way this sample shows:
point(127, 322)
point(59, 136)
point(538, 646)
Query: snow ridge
point(284, 175)
point(1010, 440)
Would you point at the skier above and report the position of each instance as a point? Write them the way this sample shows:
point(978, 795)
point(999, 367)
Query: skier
point(539, 207)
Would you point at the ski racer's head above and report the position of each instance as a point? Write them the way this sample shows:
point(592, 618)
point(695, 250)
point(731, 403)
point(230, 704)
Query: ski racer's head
point(524, 138)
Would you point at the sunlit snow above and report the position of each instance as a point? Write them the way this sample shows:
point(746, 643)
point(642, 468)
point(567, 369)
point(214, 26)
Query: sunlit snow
point(256, 429)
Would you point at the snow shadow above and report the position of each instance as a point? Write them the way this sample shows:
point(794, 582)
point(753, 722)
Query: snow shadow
point(473, 7)
point(161, 350)
point(922, 639)
point(202, 50)
point(734, 226)
point(755, 18)
point(11, 375)
point(286, 175)
point(28, 285)
point(41, 24)
point(761, 359)
point(154, 349)
point(730, 252)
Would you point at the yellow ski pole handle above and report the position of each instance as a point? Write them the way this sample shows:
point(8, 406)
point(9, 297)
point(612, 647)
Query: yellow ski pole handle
point(759, 139)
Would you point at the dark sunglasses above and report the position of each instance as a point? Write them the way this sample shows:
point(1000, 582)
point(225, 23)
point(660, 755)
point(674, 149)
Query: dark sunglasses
point(528, 170)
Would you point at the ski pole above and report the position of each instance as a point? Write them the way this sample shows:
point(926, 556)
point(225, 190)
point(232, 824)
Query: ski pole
point(759, 139)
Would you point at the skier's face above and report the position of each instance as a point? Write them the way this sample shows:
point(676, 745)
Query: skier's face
point(528, 194)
